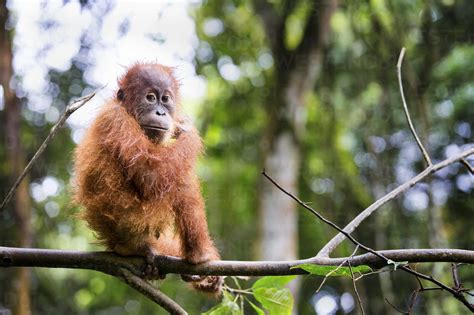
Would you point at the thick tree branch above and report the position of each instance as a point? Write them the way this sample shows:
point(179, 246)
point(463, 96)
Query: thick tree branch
point(111, 263)
point(127, 269)
point(115, 265)
point(349, 228)
point(71, 108)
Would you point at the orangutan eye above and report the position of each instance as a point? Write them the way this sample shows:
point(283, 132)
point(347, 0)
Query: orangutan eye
point(165, 99)
point(151, 97)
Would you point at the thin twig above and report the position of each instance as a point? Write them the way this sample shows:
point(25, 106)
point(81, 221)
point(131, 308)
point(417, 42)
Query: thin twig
point(458, 295)
point(395, 308)
point(405, 108)
point(420, 284)
point(373, 273)
point(355, 288)
point(468, 165)
point(329, 274)
point(431, 289)
point(413, 297)
point(351, 226)
point(151, 292)
point(336, 269)
point(457, 283)
point(238, 291)
point(71, 108)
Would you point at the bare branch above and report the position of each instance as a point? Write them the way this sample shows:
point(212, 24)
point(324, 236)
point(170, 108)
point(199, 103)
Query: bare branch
point(468, 165)
point(110, 263)
point(336, 269)
point(359, 301)
point(394, 307)
point(455, 293)
point(351, 226)
point(379, 271)
point(71, 108)
point(454, 270)
point(419, 282)
point(405, 109)
point(413, 297)
point(151, 292)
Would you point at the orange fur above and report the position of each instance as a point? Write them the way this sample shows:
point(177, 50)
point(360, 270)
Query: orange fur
point(142, 197)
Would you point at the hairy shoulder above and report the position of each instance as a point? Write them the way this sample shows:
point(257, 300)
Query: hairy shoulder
point(119, 132)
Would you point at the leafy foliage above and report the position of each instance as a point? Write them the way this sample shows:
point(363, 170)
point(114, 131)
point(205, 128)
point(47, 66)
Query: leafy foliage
point(272, 294)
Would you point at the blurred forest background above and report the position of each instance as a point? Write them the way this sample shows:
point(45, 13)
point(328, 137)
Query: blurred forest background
point(305, 89)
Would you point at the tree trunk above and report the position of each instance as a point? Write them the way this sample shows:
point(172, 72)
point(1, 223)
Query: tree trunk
point(16, 161)
point(296, 72)
point(278, 217)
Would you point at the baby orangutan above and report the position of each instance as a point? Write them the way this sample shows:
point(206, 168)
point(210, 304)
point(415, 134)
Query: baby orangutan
point(135, 174)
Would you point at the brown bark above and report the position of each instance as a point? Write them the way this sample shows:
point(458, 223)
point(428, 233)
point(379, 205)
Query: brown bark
point(16, 161)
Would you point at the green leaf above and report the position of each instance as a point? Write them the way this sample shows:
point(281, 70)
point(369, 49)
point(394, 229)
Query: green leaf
point(228, 306)
point(256, 308)
point(278, 301)
point(271, 293)
point(272, 282)
point(333, 271)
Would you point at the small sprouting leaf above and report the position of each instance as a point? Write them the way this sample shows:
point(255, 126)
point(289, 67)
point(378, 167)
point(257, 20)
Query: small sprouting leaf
point(396, 263)
point(332, 271)
point(272, 282)
point(278, 301)
point(228, 306)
